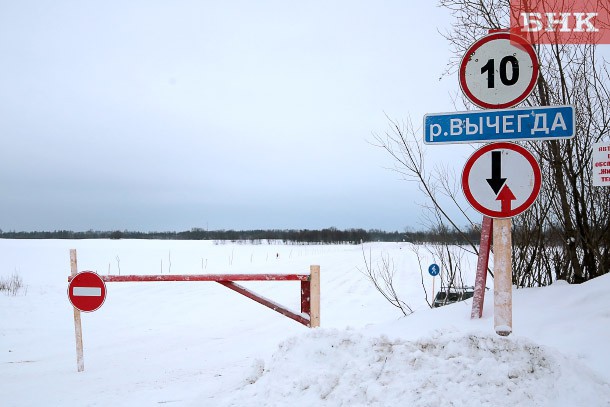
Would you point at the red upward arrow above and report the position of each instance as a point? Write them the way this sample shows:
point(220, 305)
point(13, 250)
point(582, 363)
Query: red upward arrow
point(506, 196)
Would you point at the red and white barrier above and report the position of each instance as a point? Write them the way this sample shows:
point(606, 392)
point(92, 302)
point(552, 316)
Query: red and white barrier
point(310, 293)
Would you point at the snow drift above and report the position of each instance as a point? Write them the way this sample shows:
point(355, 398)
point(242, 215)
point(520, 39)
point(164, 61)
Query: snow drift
point(199, 344)
point(329, 367)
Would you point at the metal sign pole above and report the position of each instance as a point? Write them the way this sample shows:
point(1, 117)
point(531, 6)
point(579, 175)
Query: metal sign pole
point(433, 291)
point(478, 298)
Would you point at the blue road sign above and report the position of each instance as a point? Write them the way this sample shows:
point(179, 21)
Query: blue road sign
point(481, 126)
point(434, 269)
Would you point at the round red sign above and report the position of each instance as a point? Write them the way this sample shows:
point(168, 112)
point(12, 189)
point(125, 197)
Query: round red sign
point(87, 291)
point(501, 180)
point(499, 71)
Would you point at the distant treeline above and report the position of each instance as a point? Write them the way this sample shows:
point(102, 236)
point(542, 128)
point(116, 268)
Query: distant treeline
point(327, 236)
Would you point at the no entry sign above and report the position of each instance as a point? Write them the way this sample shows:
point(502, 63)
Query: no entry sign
point(501, 180)
point(499, 71)
point(87, 291)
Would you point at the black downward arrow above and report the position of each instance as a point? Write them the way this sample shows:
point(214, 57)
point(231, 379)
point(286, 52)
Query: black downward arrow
point(496, 181)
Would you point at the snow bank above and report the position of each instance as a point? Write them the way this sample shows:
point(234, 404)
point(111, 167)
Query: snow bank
point(199, 344)
point(334, 368)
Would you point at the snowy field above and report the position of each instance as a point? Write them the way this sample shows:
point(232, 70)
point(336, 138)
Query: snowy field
point(200, 344)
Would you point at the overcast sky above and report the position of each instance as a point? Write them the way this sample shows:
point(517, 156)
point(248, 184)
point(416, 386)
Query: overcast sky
point(170, 115)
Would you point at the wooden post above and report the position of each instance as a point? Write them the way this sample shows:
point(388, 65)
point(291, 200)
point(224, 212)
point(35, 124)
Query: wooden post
point(480, 281)
point(314, 272)
point(78, 330)
point(503, 272)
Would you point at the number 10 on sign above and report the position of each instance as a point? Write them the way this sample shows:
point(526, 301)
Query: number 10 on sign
point(490, 69)
point(499, 71)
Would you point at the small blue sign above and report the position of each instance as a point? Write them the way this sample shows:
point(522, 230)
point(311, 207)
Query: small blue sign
point(434, 269)
point(482, 126)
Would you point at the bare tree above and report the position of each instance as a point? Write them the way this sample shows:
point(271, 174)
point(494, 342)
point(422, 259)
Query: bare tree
point(382, 276)
point(441, 188)
point(404, 144)
point(566, 234)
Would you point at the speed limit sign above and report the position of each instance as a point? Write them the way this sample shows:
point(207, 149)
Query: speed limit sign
point(499, 71)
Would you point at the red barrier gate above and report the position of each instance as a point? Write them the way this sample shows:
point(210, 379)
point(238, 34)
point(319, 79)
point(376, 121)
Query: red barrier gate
point(310, 293)
point(228, 280)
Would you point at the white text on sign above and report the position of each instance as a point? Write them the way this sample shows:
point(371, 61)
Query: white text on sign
point(541, 123)
point(561, 22)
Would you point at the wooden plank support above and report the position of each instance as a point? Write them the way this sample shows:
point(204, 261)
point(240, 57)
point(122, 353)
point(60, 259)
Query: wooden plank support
point(266, 302)
point(503, 275)
point(314, 315)
point(78, 329)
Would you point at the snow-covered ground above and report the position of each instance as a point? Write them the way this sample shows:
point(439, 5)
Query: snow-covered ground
point(199, 344)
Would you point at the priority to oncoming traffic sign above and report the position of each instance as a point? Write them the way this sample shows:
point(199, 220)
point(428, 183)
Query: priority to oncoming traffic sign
point(501, 180)
point(532, 123)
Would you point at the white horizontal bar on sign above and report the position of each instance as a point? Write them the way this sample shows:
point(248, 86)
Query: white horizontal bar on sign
point(87, 291)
